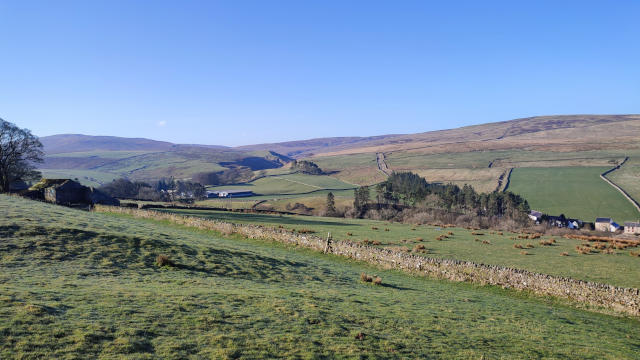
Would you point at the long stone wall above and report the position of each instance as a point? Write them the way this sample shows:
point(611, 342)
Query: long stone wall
point(623, 300)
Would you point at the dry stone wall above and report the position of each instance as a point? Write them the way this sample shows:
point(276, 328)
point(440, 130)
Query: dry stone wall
point(623, 300)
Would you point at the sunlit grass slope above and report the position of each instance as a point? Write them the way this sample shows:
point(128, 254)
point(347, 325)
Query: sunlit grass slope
point(83, 285)
point(617, 268)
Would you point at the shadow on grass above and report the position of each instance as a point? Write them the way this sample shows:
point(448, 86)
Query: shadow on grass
point(117, 252)
point(10, 230)
point(395, 287)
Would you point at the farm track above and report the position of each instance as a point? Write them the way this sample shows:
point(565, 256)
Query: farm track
point(603, 176)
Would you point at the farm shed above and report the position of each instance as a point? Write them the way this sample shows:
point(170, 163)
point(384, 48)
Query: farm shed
point(67, 192)
point(574, 224)
point(613, 227)
point(632, 228)
point(229, 193)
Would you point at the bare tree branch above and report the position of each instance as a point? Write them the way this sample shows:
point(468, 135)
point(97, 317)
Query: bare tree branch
point(19, 152)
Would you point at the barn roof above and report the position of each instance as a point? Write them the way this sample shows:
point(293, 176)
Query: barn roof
point(632, 224)
point(603, 220)
point(45, 183)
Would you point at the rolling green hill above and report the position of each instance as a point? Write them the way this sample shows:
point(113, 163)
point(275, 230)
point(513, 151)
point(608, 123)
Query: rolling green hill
point(94, 159)
point(85, 285)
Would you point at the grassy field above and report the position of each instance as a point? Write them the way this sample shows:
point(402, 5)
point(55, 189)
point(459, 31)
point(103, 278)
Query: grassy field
point(502, 158)
point(483, 180)
point(84, 285)
point(628, 177)
point(86, 177)
point(316, 200)
point(361, 169)
point(289, 184)
point(577, 192)
point(277, 191)
point(618, 268)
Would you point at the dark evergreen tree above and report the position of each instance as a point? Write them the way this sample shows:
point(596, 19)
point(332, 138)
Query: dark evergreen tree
point(361, 200)
point(331, 205)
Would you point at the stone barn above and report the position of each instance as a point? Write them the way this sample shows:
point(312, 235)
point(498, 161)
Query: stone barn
point(67, 192)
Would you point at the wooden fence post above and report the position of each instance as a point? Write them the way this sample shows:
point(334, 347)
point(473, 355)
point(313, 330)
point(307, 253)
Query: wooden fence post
point(328, 243)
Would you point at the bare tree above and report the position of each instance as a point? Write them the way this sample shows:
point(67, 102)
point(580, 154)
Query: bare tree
point(19, 151)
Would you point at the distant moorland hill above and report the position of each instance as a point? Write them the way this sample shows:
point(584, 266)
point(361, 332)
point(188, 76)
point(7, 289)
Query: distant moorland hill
point(96, 160)
point(70, 143)
point(564, 132)
point(483, 156)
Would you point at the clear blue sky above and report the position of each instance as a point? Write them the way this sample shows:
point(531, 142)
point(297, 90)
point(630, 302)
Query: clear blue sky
point(243, 72)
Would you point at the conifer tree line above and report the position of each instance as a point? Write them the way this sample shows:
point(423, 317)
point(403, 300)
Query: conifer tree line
point(404, 190)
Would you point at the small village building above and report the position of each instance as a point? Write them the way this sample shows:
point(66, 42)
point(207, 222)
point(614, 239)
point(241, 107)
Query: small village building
point(557, 221)
point(613, 227)
point(229, 193)
point(535, 216)
point(606, 225)
point(632, 228)
point(602, 224)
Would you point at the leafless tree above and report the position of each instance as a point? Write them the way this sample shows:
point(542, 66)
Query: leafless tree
point(19, 151)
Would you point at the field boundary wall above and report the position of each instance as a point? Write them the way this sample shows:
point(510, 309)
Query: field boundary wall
point(618, 299)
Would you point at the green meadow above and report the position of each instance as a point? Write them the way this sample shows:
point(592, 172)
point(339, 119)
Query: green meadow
point(577, 192)
point(488, 247)
point(289, 184)
point(81, 285)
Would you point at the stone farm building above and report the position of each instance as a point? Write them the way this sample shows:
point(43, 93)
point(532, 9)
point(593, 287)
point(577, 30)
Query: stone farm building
point(65, 192)
point(606, 225)
point(632, 228)
point(69, 192)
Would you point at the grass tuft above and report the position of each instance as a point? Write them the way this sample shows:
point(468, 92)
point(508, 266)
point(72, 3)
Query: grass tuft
point(163, 260)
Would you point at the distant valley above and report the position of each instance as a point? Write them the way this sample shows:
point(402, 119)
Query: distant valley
point(484, 156)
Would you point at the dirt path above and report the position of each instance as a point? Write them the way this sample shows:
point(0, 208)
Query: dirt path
point(382, 165)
